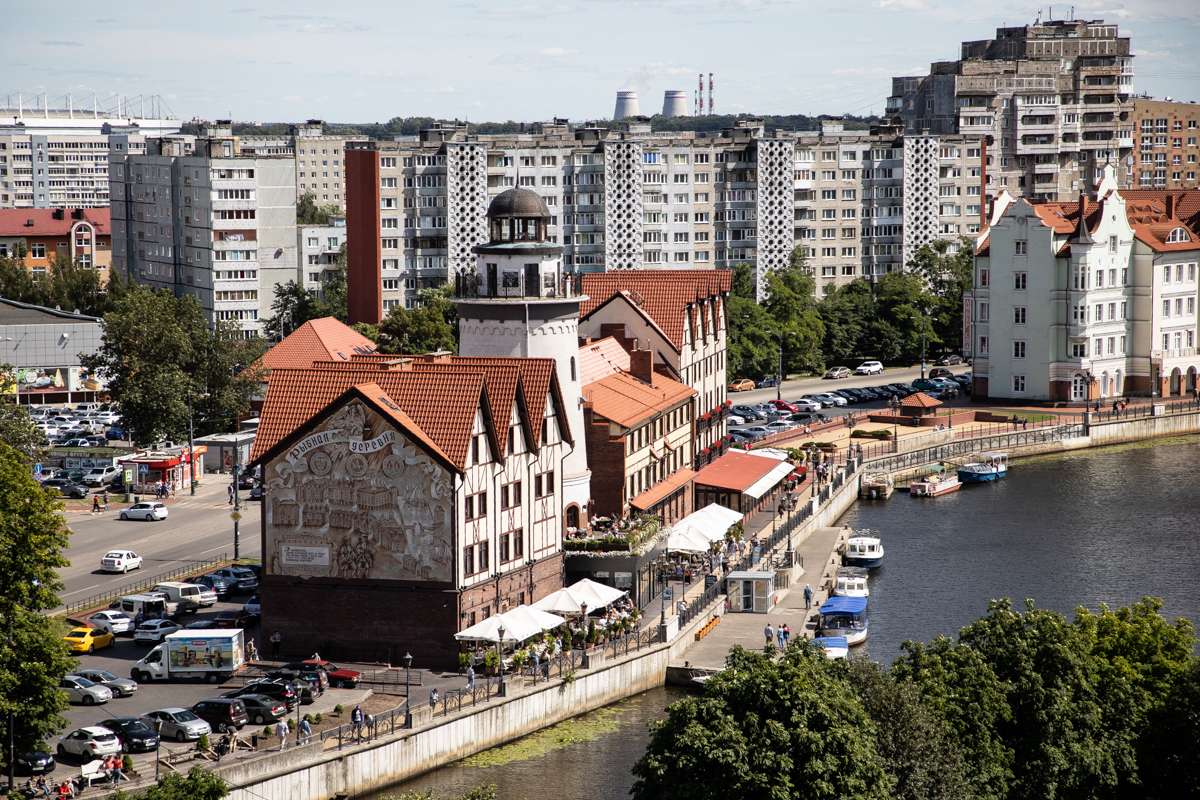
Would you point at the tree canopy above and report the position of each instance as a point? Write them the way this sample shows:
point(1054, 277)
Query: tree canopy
point(432, 325)
point(197, 784)
point(309, 213)
point(67, 285)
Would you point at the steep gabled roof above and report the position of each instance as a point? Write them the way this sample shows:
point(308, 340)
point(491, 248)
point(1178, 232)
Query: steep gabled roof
point(664, 295)
point(317, 340)
point(627, 401)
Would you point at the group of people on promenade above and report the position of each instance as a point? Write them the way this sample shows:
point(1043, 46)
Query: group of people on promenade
point(111, 767)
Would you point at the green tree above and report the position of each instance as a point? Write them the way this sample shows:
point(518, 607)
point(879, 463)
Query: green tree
point(16, 428)
point(948, 269)
point(158, 352)
point(33, 540)
point(765, 728)
point(309, 213)
point(432, 325)
point(793, 309)
point(751, 352)
point(1167, 763)
point(292, 307)
point(849, 314)
point(198, 784)
point(903, 308)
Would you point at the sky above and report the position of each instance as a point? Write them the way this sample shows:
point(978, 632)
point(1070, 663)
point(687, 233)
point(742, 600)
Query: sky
point(360, 61)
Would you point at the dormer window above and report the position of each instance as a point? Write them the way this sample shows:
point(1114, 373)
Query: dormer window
point(1179, 235)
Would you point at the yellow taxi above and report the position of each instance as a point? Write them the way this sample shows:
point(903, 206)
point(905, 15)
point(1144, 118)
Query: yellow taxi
point(744, 385)
point(87, 640)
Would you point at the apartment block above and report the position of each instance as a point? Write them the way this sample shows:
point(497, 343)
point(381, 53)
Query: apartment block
point(197, 216)
point(1165, 137)
point(320, 159)
point(1052, 101)
point(318, 248)
point(619, 199)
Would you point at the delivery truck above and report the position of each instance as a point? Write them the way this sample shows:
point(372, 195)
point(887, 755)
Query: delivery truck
point(214, 655)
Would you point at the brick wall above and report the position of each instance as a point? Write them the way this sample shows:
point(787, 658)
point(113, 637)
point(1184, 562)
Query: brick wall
point(606, 460)
point(364, 282)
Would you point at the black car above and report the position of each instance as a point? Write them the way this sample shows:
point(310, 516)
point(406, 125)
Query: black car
point(255, 568)
point(941, 372)
point(850, 396)
point(65, 487)
point(135, 735)
point(807, 418)
point(242, 580)
point(280, 690)
point(39, 763)
point(220, 586)
point(256, 492)
point(262, 709)
point(946, 361)
point(222, 713)
point(300, 671)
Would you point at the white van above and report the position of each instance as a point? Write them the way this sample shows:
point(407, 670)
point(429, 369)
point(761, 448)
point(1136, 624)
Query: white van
point(187, 596)
point(151, 606)
point(869, 368)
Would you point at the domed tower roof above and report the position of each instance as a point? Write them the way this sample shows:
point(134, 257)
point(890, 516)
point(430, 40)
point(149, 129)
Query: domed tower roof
point(517, 202)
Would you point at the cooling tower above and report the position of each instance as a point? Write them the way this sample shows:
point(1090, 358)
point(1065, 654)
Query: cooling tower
point(627, 105)
point(675, 103)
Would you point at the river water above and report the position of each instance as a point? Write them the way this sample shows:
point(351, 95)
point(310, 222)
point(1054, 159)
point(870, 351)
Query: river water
point(1086, 528)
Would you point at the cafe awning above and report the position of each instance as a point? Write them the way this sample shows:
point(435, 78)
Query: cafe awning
point(769, 481)
point(572, 599)
point(646, 500)
point(519, 624)
point(712, 522)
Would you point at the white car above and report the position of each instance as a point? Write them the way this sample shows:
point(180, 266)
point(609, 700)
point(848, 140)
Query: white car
point(120, 561)
point(869, 368)
point(89, 743)
point(113, 622)
point(820, 401)
point(98, 476)
point(107, 417)
point(80, 690)
point(177, 723)
point(779, 425)
point(734, 419)
point(154, 631)
point(832, 398)
point(146, 511)
point(807, 405)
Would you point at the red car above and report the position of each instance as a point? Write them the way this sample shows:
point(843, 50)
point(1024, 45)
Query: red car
point(338, 677)
point(782, 406)
point(235, 618)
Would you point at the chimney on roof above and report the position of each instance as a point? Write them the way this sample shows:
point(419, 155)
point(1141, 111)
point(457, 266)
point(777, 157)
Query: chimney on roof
point(59, 214)
point(617, 331)
point(641, 365)
point(403, 364)
point(438, 357)
point(1083, 210)
point(1170, 205)
point(77, 214)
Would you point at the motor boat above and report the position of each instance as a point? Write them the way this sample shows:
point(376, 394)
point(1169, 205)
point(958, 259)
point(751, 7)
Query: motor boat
point(876, 486)
point(863, 550)
point(851, 582)
point(844, 617)
point(835, 647)
point(989, 467)
point(935, 481)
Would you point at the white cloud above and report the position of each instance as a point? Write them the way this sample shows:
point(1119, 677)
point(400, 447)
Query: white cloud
point(861, 71)
point(446, 89)
point(900, 5)
point(525, 12)
point(556, 51)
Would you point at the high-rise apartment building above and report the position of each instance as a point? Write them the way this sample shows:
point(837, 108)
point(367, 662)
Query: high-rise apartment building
point(320, 159)
point(1052, 101)
point(1165, 138)
point(198, 216)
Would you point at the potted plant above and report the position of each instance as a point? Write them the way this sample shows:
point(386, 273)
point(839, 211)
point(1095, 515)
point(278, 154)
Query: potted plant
point(491, 662)
point(591, 635)
point(464, 661)
point(519, 658)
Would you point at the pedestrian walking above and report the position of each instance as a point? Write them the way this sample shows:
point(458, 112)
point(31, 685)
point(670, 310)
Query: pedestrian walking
point(779, 637)
point(95, 504)
point(276, 638)
point(231, 494)
point(858, 450)
point(787, 634)
point(537, 660)
point(282, 728)
point(807, 432)
point(305, 730)
point(807, 596)
point(470, 677)
point(769, 633)
point(106, 499)
point(433, 699)
point(356, 718)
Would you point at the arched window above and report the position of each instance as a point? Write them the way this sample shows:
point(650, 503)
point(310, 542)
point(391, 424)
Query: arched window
point(1179, 235)
point(572, 367)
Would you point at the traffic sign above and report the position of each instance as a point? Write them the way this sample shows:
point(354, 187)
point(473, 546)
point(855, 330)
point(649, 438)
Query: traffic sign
point(143, 468)
point(235, 516)
point(37, 469)
point(129, 475)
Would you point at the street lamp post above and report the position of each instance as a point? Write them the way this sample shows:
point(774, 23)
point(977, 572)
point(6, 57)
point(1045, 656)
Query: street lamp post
point(779, 368)
point(407, 678)
point(894, 405)
point(500, 650)
point(191, 449)
point(922, 322)
point(662, 574)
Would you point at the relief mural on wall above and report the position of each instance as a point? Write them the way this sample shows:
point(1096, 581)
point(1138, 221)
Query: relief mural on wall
point(356, 499)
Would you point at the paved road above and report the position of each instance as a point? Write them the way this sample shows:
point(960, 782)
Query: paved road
point(195, 528)
point(795, 388)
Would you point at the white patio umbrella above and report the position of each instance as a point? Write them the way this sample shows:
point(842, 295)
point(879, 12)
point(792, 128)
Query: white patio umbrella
point(560, 602)
point(687, 542)
point(572, 599)
point(519, 624)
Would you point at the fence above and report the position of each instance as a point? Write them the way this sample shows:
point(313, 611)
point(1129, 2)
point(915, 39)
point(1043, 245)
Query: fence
point(1145, 410)
point(146, 583)
point(372, 727)
point(965, 447)
point(391, 680)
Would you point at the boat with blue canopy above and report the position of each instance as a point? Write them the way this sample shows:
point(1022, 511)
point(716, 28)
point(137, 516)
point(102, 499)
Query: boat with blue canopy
point(987, 467)
point(845, 617)
point(836, 647)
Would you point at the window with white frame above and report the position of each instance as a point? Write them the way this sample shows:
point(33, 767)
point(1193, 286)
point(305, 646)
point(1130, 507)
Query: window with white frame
point(1018, 384)
point(1018, 315)
point(1021, 248)
point(1018, 348)
point(1020, 281)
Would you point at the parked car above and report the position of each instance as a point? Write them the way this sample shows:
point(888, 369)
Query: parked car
point(36, 763)
point(949, 360)
point(98, 476)
point(869, 368)
point(941, 372)
point(807, 419)
point(135, 735)
point(235, 618)
point(298, 671)
point(262, 709)
point(77, 442)
point(113, 434)
point(222, 713)
point(178, 724)
point(921, 384)
point(757, 431)
point(81, 690)
point(120, 687)
point(252, 606)
point(339, 678)
point(256, 493)
point(89, 743)
point(112, 621)
point(283, 691)
point(780, 405)
point(847, 395)
point(154, 631)
point(120, 561)
point(837, 400)
point(744, 385)
point(747, 412)
point(765, 381)
point(838, 372)
point(64, 487)
point(146, 511)
point(242, 579)
point(200, 624)
point(779, 426)
point(88, 640)
point(807, 404)
point(221, 587)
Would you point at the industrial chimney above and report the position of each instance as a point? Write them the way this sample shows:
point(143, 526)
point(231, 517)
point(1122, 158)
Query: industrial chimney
point(675, 103)
point(627, 105)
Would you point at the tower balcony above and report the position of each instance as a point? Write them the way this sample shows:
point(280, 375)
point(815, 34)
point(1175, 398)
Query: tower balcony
point(520, 284)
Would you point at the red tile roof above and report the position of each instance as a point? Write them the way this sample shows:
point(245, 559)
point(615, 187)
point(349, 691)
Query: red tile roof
point(317, 340)
point(663, 295)
point(627, 401)
point(920, 400)
point(442, 404)
point(647, 499)
point(735, 472)
point(600, 359)
point(13, 221)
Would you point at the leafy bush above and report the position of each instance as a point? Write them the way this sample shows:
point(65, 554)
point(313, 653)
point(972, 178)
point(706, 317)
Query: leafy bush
point(291, 723)
point(317, 719)
point(338, 709)
point(464, 661)
point(268, 731)
point(202, 742)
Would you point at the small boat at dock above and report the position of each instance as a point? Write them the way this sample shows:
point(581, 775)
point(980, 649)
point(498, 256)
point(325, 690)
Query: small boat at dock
point(851, 582)
point(835, 647)
point(986, 467)
point(935, 480)
point(876, 486)
point(863, 549)
point(844, 617)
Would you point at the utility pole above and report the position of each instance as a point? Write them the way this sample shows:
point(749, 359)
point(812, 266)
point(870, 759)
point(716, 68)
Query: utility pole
point(237, 504)
point(192, 449)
